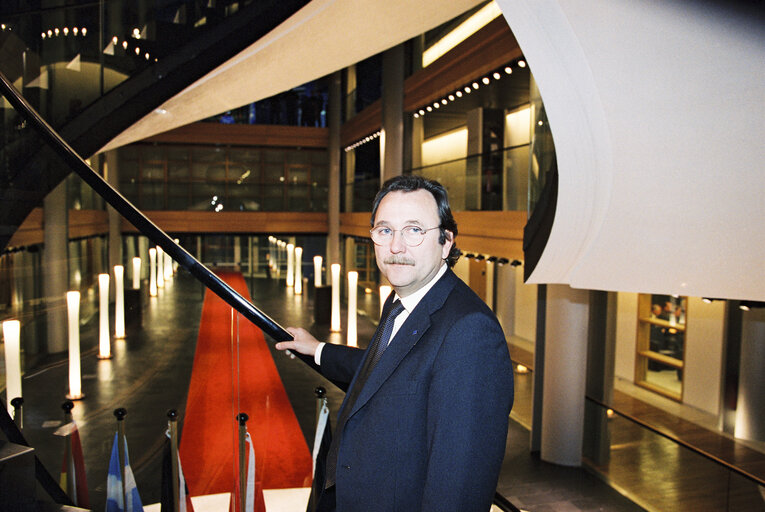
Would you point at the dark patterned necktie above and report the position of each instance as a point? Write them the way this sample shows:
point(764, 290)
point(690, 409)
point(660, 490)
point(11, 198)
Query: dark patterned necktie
point(377, 347)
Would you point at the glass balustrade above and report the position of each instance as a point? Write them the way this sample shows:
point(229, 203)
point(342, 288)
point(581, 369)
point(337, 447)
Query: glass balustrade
point(662, 473)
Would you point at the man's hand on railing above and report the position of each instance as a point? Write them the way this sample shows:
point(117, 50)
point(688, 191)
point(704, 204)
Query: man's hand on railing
point(303, 343)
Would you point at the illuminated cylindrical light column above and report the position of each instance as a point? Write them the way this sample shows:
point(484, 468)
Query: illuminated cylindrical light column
point(175, 263)
point(168, 267)
point(290, 265)
point(75, 379)
point(334, 324)
point(271, 252)
point(153, 272)
point(136, 273)
point(384, 292)
point(119, 301)
point(160, 267)
point(298, 270)
point(12, 337)
point(317, 271)
point(104, 343)
point(353, 293)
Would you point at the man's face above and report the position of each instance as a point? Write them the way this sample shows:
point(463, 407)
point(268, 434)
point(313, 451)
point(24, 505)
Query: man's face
point(409, 268)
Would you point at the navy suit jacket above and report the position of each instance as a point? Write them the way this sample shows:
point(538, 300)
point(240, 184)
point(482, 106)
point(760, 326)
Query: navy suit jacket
point(428, 431)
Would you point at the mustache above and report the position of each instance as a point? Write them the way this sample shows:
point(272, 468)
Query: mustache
point(398, 260)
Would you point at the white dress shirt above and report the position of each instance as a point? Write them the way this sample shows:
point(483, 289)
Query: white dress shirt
point(409, 302)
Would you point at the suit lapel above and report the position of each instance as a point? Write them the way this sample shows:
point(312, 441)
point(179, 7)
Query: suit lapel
point(407, 337)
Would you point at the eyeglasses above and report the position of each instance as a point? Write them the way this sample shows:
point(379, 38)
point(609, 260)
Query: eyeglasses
point(412, 235)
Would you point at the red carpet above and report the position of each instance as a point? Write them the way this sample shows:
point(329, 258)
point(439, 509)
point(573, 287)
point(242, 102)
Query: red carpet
point(209, 438)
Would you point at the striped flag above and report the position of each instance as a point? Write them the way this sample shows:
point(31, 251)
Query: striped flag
point(114, 483)
point(167, 501)
point(73, 478)
point(249, 502)
point(321, 442)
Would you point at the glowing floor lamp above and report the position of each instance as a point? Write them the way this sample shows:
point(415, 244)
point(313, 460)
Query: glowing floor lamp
point(298, 270)
point(75, 377)
point(12, 336)
point(153, 272)
point(353, 292)
point(334, 325)
point(119, 301)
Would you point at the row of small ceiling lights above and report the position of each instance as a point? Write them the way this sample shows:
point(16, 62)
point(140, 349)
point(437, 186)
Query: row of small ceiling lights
point(55, 32)
point(469, 88)
point(368, 138)
point(459, 93)
point(493, 259)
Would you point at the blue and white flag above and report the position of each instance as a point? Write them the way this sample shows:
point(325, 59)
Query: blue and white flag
point(114, 484)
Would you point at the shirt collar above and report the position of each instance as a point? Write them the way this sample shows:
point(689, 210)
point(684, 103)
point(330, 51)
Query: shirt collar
point(410, 301)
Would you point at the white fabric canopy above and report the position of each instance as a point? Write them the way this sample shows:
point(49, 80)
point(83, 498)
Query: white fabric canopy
point(324, 36)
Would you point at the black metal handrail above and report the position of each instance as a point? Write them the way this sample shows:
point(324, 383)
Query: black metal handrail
point(140, 221)
point(682, 443)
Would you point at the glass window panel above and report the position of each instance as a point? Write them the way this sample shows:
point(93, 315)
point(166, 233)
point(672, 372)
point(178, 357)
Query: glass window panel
point(153, 196)
point(244, 197)
point(319, 174)
point(153, 153)
point(215, 172)
point(203, 195)
point(244, 154)
point(128, 170)
point(153, 171)
point(664, 376)
point(273, 173)
point(236, 171)
point(177, 152)
point(298, 157)
point(298, 175)
point(199, 170)
point(319, 157)
point(516, 178)
point(274, 156)
point(178, 202)
point(208, 154)
point(661, 343)
point(272, 204)
point(176, 170)
point(130, 191)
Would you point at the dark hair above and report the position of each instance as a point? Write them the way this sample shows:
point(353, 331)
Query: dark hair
point(410, 183)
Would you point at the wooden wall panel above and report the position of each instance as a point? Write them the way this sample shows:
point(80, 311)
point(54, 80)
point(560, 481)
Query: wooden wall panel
point(362, 124)
point(30, 232)
point(355, 224)
point(246, 135)
point(235, 222)
point(82, 223)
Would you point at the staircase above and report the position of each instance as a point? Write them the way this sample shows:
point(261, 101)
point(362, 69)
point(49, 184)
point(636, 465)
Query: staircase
point(18, 485)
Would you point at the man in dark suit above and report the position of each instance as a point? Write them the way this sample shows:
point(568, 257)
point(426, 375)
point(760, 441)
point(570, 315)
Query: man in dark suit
point(424, 421)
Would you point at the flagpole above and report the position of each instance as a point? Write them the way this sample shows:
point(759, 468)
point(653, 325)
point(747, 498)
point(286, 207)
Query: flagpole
point(321, 397)
point(120, 415)
point(242, 417)
point(18, 417)
point(172, 415)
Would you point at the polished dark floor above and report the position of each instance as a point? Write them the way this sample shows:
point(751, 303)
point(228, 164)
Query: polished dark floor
point(150, 372)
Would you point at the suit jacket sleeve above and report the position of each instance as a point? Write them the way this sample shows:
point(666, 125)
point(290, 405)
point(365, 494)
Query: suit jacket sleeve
point(339, 363)
point(469, 401)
